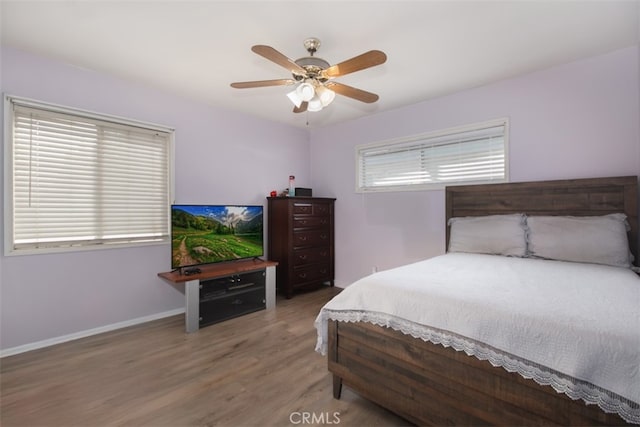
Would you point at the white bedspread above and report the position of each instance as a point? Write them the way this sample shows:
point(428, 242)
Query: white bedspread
point(573, 326)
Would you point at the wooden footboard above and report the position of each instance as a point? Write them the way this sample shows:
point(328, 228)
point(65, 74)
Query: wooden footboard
point(429, 384)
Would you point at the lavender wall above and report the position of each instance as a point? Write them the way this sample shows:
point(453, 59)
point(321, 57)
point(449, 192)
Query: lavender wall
point(221, 157)
point(576, 120)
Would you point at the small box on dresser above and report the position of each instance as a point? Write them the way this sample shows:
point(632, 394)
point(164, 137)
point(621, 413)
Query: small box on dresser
point(301, 240)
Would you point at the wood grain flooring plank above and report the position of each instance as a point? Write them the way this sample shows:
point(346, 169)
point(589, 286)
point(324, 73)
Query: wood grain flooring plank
point(256, 370)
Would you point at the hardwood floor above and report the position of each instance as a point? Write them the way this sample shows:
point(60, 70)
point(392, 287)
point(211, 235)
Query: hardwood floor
point(256, 370)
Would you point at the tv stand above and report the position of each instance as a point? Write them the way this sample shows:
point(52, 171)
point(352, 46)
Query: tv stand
point(221, 291)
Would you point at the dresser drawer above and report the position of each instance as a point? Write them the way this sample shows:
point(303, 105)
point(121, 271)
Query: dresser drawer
point(311, 222)
point(311, 238)
point(311, 274)
point(311, 256)
point(311, 208)
point(321, 209)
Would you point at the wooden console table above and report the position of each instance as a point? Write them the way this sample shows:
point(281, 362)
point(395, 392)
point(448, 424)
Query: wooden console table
point(219, 271)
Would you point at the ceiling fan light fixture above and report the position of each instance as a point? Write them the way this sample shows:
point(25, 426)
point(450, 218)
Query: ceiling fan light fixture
point(306, 91)
point(325, 95)
point(315, 104)
point(295, 98)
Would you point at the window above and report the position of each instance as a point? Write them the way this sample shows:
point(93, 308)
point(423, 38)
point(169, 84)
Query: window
point(469, 154)
point(77, 180)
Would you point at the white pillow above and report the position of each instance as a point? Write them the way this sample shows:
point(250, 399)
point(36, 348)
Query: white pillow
point(592, 239)
point(493, 234)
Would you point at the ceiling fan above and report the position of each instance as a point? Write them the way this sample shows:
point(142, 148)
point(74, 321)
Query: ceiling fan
point(314, 76)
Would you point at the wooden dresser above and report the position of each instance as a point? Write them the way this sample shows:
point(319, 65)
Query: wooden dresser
point(301, 241)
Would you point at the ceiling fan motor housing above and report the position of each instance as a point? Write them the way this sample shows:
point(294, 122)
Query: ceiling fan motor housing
point(314, 66)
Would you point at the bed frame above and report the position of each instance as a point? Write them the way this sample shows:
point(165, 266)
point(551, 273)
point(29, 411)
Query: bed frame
point(429, 384)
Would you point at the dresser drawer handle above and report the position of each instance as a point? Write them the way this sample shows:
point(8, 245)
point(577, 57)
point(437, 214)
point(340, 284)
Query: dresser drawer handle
point(302, 275)
point(303, 257)
point(303, 238)
point(324, 236)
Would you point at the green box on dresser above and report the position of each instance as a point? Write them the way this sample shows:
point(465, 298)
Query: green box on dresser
point(301, 240)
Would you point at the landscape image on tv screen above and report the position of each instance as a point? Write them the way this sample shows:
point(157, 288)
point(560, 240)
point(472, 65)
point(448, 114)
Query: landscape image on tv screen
point(215, 233)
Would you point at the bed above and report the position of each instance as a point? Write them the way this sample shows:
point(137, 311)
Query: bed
point(483, 358)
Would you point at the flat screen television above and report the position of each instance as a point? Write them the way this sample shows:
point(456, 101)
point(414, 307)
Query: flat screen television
point(204, 234)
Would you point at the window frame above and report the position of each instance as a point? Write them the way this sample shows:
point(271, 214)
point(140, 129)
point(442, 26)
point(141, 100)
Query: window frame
point(9, 173)
point(360, 148)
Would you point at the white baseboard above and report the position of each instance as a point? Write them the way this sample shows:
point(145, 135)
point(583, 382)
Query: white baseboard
point(82, 334)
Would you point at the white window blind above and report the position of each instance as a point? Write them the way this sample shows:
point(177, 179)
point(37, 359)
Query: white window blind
point(85, 180)
point(470, 154)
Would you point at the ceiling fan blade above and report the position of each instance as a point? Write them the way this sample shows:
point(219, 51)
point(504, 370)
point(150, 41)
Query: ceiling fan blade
point(352, 92)
point(302, 108)
point(360, 62)
point(263, 83)
point(273, 55)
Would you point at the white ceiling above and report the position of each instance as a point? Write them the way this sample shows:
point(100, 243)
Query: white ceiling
point(197, 48)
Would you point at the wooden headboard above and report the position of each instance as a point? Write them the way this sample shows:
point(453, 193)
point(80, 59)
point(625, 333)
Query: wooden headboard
point(576, 197)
